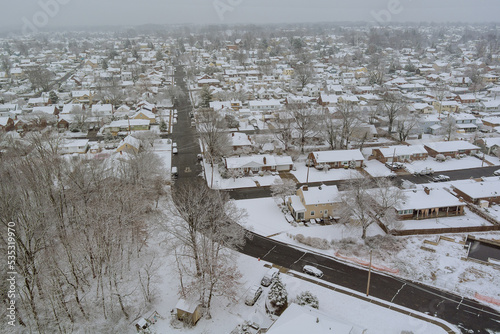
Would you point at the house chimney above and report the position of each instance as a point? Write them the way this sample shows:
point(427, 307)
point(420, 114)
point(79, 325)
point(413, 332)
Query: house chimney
point(305, 187)
point(264, 160)
point(232, 134)
point(427, 190)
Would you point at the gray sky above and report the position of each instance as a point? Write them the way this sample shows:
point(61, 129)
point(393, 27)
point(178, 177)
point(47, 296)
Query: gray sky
point(30, 13)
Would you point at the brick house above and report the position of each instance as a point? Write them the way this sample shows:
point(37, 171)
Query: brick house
point(479, 191)
point(451, 148)
point(400, 153)
point(337, 158)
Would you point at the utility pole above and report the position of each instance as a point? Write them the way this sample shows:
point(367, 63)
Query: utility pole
point(369, 275)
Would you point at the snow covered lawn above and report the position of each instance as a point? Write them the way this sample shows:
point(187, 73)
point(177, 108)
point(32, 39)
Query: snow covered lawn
point(264, 216)
point(469, 219)
point(377, 169)
point(228, 315)
point(318, 176)
point(233, 183)
point(453, 164)
point(163, 148)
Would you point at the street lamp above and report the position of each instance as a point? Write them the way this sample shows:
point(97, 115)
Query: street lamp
point(369, 275)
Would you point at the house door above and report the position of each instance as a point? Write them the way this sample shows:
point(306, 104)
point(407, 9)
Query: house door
point(300, 216)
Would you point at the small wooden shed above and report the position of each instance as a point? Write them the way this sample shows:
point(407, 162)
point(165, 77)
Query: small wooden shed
point(188, 311)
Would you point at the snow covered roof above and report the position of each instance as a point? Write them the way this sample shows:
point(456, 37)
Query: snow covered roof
point(338, 155)
point(187, 306)
point(399, 150)
point(131, 122)
point(320, 195)
point(253, 161)
point(282, 160)
point(240, 139)
point(145, 112)
point(297, 204)
point(419, 199)
point(305, 319)
point(132, 141)
point(480, 189)
point(451, 146)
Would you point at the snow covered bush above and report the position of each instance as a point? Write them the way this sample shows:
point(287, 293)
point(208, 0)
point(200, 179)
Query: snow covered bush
point(440, 157)
point(307, 298)
point(278, 296)
point(313, 241)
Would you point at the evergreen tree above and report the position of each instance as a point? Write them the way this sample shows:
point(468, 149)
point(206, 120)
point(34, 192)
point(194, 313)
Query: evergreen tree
point(278, 295)
point(206, 96)
point(53, 97)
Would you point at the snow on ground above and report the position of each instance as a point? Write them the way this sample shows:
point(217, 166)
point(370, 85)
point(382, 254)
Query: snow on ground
point(376, 169)
point(239, 182)
point(227, 315)
point(453, 164)
point(264, 216)
point(443, 269)
point(469, 219)
point(318, 176)
point(163, 148)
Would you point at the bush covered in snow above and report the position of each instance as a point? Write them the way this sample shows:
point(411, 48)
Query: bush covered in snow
point(315, 242)
point(307, 298)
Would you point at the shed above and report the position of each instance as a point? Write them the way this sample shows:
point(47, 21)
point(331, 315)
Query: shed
point(188, 311)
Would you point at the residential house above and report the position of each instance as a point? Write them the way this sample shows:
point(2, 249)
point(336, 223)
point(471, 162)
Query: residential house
point(267, 105)
point(315, 202)
point(492, 121)
point(6, 124)
point(326, 100)
point(129, 144)
point(336, 159)
point(79, 146)
point(448, 106)
point(428, 203)
point(127, 125)
point(255, 164)
point(400, 153)
point(477, 192)
point(82, 96)
point(465, 123)
point(466, 98)
point(451, 148)
point(145, 114)
point(241, 141)
point(188, 311)
point(430, 123)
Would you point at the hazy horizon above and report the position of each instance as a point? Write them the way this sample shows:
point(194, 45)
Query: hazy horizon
point(47, 14)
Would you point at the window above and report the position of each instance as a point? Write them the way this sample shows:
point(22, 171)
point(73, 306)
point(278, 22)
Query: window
point(312, 213)
point(321, 211)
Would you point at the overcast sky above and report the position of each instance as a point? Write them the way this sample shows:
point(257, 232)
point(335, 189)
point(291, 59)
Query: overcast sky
point(19, 13)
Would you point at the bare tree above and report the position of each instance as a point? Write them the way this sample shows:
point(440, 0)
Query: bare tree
point(448, 128)
point(349, 116)
point(215, 140)
point(405, 125)
point(303, 74)
point(284, 128)
point(392, 107)
point(331, 129)
point(305, 122)
point(40, 78)
point(364, 205)
point(282, 188)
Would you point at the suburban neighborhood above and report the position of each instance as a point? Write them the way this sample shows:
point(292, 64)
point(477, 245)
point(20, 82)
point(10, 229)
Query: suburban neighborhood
point(320, 178)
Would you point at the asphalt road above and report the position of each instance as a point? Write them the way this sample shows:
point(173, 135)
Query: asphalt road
point(468, 315)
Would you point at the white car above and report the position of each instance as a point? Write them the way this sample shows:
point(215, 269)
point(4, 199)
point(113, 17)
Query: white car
point(253, 295)
point(497, 172)
point(270, 276)
point(312, 271)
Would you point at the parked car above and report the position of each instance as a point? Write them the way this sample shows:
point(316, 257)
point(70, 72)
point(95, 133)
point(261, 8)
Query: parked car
point(174, 144)
point(253, 295)
point(199, 156)
point(394, 165)
point(441, 178)
point(174, 150)
point(425, 171)
point(313, 271)
point(270, 276)
point(174, 172)
point(497, 172)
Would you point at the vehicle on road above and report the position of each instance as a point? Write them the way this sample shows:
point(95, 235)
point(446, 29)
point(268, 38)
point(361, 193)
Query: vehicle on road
point(253, 295)
point(174, 150)
point(312, 271)
point(441, 178)
point(199, 156)
point(174, 144)
point(497, 172)
point(270, 277)
point(174, 172)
